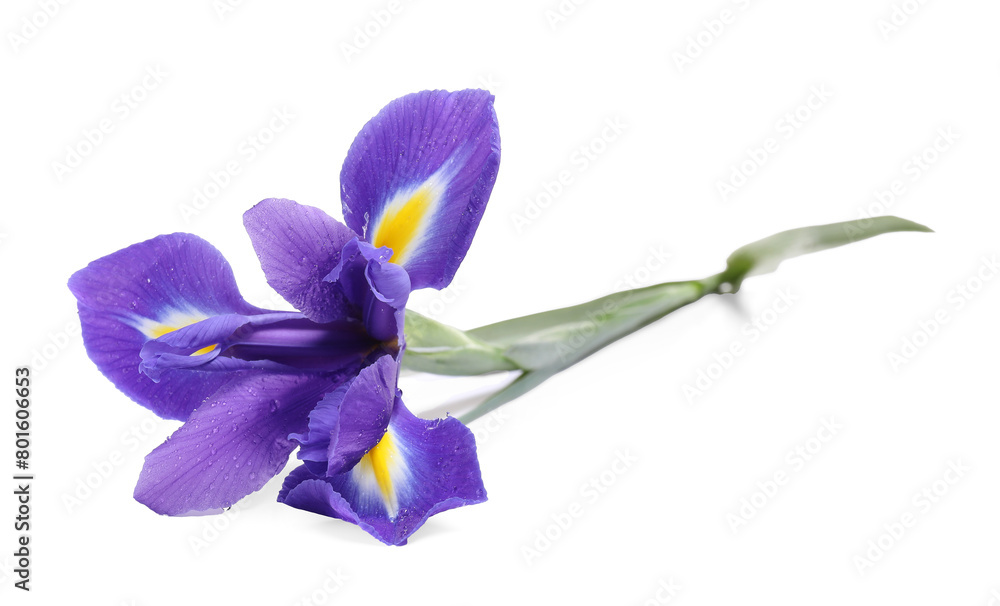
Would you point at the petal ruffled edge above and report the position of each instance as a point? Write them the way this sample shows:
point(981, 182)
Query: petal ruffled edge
point(419, 469)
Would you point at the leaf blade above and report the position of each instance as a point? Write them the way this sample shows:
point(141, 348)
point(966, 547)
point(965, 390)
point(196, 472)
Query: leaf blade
point(765, 255)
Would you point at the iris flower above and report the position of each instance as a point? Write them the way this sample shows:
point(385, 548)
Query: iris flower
point(165, 322)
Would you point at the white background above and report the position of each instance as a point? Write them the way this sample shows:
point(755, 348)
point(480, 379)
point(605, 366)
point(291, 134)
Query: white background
point(670, 516)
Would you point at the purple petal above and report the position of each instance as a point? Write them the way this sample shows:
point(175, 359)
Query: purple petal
point(297, 246)
point(231, 445)
point(349, 421)
point(418, 176)
point(419, 469)
point(193, 346)
point(145, 291)
point(375, 286)
point(283, 342)
point(314, 443)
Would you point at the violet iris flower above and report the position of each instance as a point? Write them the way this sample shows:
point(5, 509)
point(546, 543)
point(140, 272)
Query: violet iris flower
point(165, 322)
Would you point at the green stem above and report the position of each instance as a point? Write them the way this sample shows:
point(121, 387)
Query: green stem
point(543, 344)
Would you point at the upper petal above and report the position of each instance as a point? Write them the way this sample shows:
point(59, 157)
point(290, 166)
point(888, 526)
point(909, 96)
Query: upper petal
point(145, 291)
point(418, 469)
point(297, 246)
point(231, 445)
point(418, 176)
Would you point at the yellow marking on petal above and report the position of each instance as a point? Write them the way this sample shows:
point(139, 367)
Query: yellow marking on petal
point(162, 329)
point(156, 331)
point(378, 463)
point(175, 320)
point(401, 222)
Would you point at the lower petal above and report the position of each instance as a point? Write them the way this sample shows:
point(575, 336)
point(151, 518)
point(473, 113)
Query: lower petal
point(231, 445)
point(418, 469)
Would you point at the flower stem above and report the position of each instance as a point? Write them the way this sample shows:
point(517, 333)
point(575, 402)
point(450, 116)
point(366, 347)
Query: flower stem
point(543, 344)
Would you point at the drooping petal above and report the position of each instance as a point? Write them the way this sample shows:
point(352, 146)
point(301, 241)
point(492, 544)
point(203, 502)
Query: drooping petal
point(418, 469)
point(378, 288)
point(231, 445)
point(297, 246)
point(143, 292)
point(351, 420)
point(418, 176)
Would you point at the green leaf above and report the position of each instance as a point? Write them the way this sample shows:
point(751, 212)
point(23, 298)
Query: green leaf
point(546, 343)
point(441, 349)
point(562, 337)
point(764, 256)
point(524, 383)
